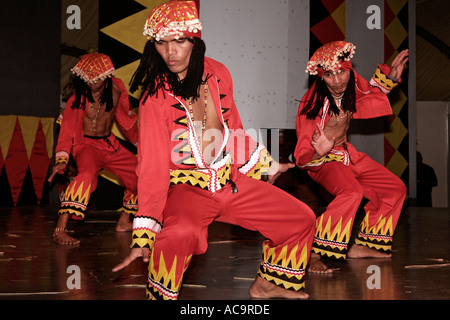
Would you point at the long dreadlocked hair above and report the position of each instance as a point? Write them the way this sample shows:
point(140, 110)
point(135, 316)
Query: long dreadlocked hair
point(83, 93)
point(321, 91)
point(153, 74)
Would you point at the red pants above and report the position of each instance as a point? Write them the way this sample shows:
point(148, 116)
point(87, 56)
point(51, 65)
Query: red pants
point(285, 221)
point(91, 156)
point(363, 178)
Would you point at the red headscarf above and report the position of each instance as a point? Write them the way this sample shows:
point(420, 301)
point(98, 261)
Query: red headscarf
point(331, 57)
point(93, 67)
point(173, 18)
point(370, 101)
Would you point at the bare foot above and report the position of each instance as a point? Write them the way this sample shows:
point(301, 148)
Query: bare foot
point(359, 252)
point(263, 289)
point(315, 265)
point(124, 224)
point(62, 237)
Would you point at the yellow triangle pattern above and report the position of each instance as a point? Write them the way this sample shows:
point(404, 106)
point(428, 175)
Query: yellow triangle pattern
point(286, 258)
point(169, 276)
point(7, 123)
point(129, 31)
point(28, 127)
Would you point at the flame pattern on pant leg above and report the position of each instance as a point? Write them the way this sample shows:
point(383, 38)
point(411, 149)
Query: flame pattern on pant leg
point(130, 202)
point(284, 266)
point(379, 236)
point(164, 280)
point(76, 199)
point(330, 239)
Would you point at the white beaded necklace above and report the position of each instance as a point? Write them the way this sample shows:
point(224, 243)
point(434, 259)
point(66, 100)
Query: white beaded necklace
point(199, 126)
point(338, 100)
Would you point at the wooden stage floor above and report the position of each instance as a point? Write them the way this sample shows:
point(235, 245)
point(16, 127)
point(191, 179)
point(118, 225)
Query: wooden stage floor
point(32, 267)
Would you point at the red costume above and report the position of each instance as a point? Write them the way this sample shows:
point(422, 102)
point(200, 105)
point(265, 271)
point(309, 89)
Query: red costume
point(92, 154)
point(181, 195)
point(344, 172)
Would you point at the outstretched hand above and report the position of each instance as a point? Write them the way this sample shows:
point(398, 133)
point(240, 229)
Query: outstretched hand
point(398, 64)
point(134, 254)
point(276, 169)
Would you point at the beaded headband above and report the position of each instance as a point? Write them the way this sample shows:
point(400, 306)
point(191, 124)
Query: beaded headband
point(173, 18)
point(93, 67)
point(331, 57)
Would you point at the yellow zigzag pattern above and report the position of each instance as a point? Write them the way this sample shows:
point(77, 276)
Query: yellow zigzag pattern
point(382, 227)
point(381, 233)
point(73, 194)
point(75, 201)
point(337, 234)
point(168, 277)
point(262, 166)
point(286, 259)
point(383, 80)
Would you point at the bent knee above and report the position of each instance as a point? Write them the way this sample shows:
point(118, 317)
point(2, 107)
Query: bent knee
point(400, 188)
point(355, 193)
point(186, 236)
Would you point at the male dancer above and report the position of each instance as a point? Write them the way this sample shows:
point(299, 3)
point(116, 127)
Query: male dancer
point(196, 165)
point(337, 95)
point(85, 134)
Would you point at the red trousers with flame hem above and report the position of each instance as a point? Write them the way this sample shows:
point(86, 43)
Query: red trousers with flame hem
point(91, 156)
point(363, 178)
point(287, 222)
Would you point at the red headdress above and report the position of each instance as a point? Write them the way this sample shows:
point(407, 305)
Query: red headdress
point(331, 57)
point(93, 67)
point(173, 18)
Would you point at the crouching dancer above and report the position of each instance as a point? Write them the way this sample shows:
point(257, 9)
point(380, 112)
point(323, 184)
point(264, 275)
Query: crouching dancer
point(338, 95)
point(193, 168)
point(86, 123)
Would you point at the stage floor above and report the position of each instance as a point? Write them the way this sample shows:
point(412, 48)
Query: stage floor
point(33, 267)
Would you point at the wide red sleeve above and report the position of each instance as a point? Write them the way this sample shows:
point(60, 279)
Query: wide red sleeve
point(69, 120)
point(125, 116)
point(153, 166)
point(371, 97)
point(304, 151)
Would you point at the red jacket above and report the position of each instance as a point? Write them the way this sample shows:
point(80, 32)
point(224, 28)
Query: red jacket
point(371, 102)
point(168, 152)
point(71, 133)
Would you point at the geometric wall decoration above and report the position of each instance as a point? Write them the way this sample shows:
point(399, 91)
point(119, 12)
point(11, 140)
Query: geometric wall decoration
point(121, 36)
point(327, 23)
point(121, 26)
point(26, 148)
point(396, 140)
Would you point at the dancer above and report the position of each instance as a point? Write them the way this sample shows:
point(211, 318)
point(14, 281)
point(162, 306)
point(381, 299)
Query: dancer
point(86, 123)
point(197, 165)
point(337, 95)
